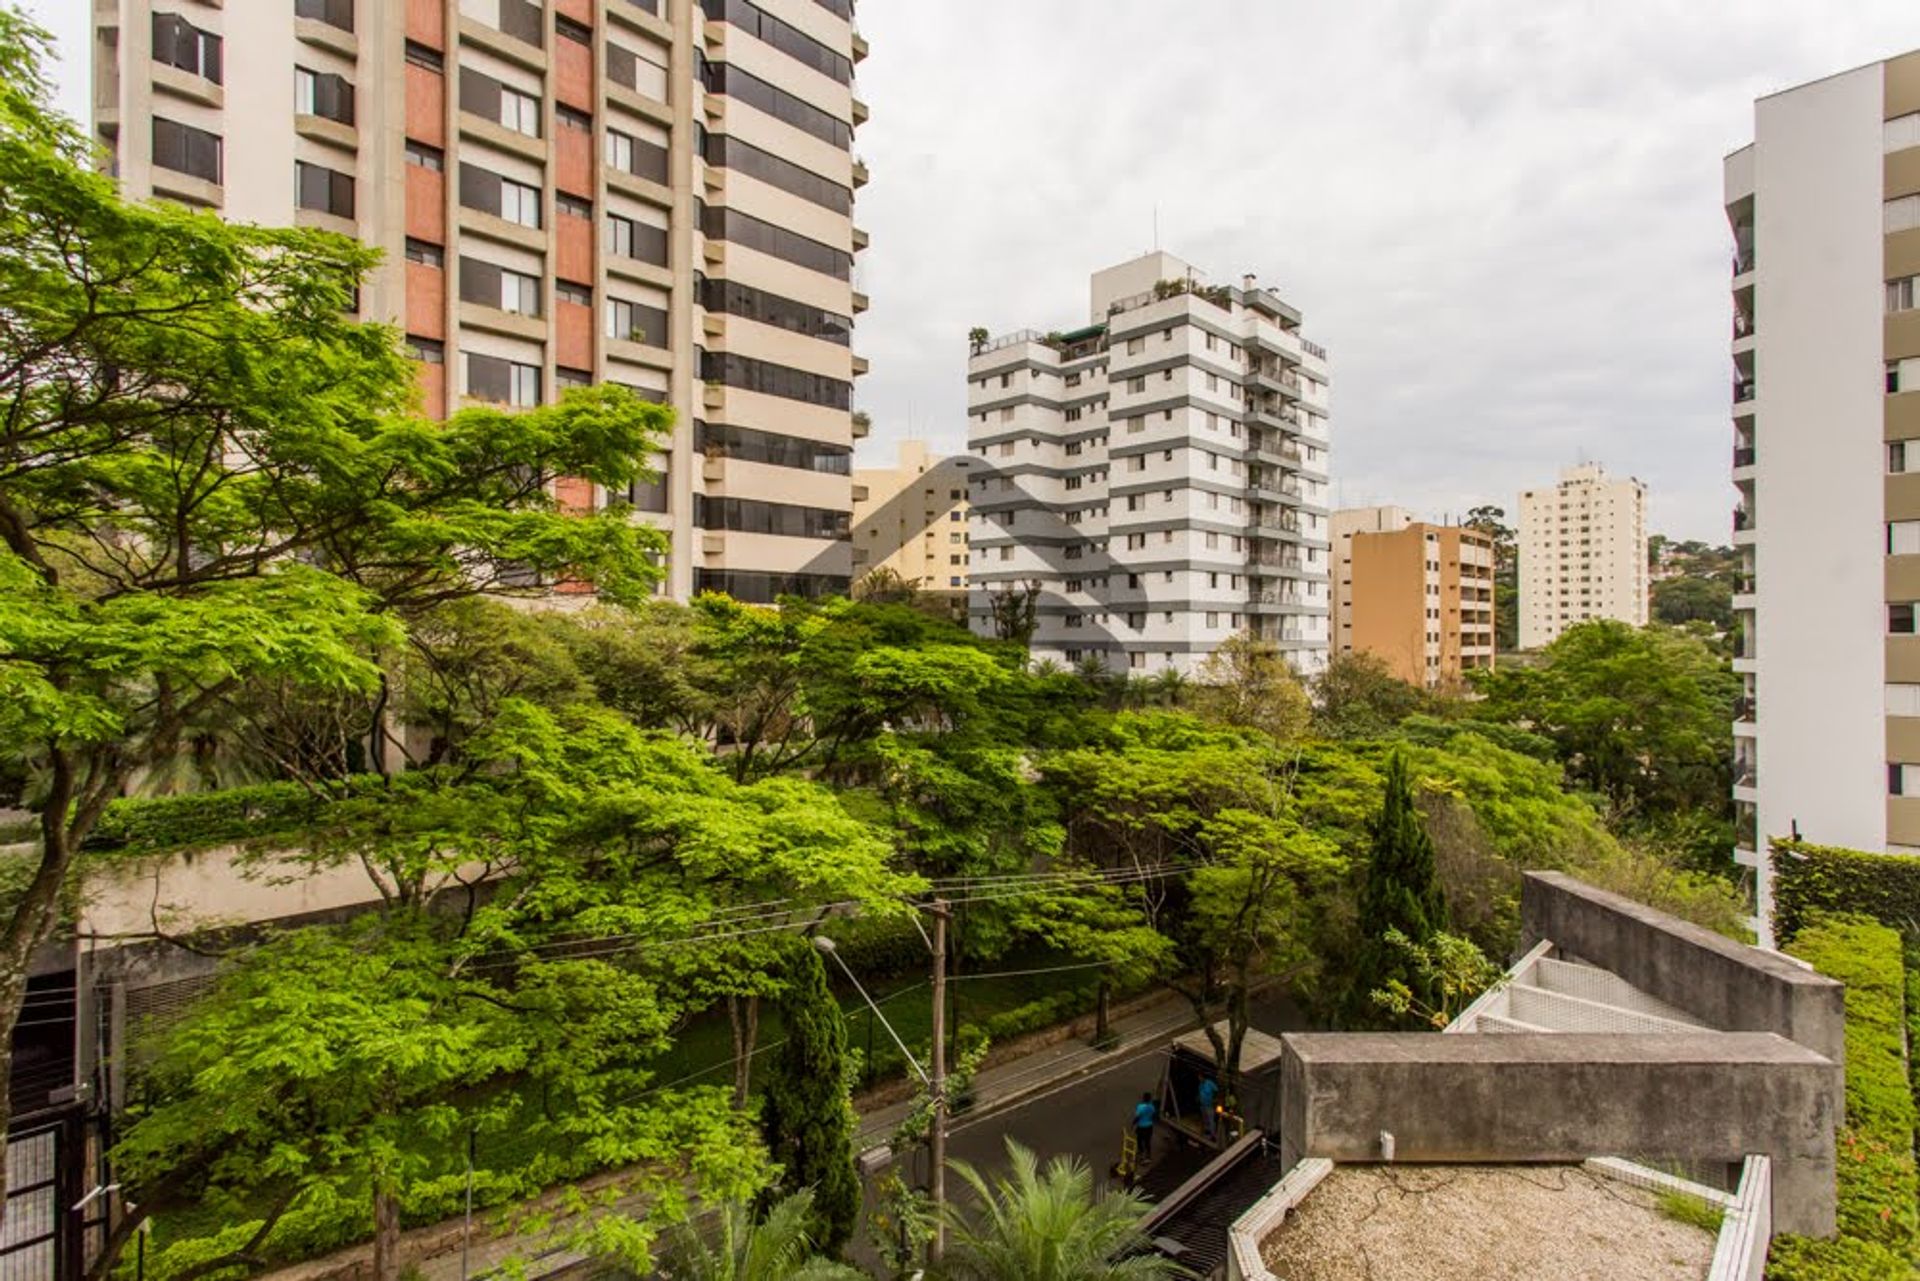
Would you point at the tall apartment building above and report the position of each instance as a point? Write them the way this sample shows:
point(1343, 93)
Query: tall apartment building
point(1825, 211)
point(911, 518)
point(657, 193)
point(1157, 475)
point(1583, 553)
point(1415, 595)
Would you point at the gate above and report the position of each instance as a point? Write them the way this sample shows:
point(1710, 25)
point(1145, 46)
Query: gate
point(43, 1237)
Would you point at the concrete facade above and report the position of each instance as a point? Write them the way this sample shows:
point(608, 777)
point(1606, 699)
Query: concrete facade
point(1824, 210)
point(911, 518)
point(656, 193)
point(1582, 546)
point(1158, 476)
point(1418, 597)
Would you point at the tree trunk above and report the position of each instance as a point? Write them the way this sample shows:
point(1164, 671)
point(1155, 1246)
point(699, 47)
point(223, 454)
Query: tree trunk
point(744, 1014)
point(1102, 1011)
point(386, 1234)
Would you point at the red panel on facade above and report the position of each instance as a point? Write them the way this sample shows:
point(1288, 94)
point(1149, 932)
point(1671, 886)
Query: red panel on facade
point(581, 11)
point(573, 249)
point(573, 335)
point(426, 106)
point(426, 205)
point(573, 74)
point(433, 389)
point(426, 301)
point(573, 162)
point(427, 23)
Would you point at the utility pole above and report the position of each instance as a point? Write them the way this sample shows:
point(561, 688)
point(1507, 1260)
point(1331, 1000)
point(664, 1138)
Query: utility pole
point(937, 1143)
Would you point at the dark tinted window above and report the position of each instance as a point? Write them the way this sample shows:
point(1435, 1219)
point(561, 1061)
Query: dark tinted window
point(524, 21)
point(322, 189)
point(179, 43)
point(721, 78)
point(731, 153)
point(185, 149)
point(750, 515)
point(787, 39)
point(319, 93)
point(749, 444)
point(764, 589)
point(733, 370)
point(721, 223)
point(771, 309)
point(335, 13)
point(629, 238)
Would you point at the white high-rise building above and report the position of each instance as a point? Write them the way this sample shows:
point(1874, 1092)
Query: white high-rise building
point(1158, 476)
point(1824, 207)
point(1583, 553)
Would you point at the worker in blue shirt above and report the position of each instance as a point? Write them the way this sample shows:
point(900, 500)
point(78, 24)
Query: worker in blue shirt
point(1209, 1091)
point(1144, 1113)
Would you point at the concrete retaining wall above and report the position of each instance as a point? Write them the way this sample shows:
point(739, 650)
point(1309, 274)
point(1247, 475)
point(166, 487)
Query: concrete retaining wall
point(1714, 1097)
point(1724, 984)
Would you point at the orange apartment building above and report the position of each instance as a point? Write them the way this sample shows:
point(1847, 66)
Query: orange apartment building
point(1416, 595)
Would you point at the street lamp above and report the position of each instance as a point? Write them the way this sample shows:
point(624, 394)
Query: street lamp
point(936, 1083)
point(826, 945)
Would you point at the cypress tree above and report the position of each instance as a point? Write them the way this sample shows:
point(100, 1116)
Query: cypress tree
point(806, 1117)
point(1400, 892)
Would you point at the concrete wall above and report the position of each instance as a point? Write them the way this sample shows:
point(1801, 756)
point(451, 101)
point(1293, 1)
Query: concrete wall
point(1726, 985)
point(1715, 1097)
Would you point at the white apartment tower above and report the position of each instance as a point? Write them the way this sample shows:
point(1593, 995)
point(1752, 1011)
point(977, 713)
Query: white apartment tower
point(657, 193)
point(1824, 207)
point(1583, 553)
point(1158, 475)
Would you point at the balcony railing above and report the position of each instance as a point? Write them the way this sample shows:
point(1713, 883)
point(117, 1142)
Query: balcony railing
point(1313, 349)
point(1743, 584)
point(1743, 455)
point(1742, 519)
point(1747, 709)
point(1743, 392)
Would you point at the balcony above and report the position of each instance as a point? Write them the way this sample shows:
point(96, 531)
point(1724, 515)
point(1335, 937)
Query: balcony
point(1743, 392)
point(1743, 456)
point(1743, 258)
point(1742, 520)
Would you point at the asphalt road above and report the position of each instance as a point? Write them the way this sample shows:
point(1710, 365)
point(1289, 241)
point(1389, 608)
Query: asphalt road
point(1086, 1117)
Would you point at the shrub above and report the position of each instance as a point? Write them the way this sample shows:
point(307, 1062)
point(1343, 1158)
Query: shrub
point(143, 824)
point(1810, 879)
point(1877, 1183)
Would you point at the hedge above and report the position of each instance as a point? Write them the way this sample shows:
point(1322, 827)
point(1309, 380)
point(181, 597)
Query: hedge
point(142, 824)
point(1877, 1182)
point(1812, 879)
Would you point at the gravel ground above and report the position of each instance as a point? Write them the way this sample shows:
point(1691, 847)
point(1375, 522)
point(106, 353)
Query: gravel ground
point(1482, 1223)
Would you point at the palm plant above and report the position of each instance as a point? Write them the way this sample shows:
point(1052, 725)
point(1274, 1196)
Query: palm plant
point(1038, 1224)
point(728, 1245)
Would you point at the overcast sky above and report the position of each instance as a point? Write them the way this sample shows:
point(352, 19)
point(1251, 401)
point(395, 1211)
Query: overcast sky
point(1503, 220)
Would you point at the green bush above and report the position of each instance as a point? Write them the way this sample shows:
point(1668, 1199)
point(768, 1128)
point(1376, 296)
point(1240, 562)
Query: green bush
point(1877, 1183)
point(1812, 879)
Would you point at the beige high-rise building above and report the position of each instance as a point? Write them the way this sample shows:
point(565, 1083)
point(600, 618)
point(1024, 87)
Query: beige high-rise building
point(657, 193)
point(1417, 596)
point(911, 518)
point(1583, 553)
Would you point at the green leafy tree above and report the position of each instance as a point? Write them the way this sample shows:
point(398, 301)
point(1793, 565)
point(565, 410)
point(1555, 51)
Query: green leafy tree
point(1248, 682)
point(806, 1118)
point(1687, 598)
point(1491, 521)
point(728, 1244)
point(1358, 696)
point(1399, 895)
point(1639, 715)
point(1047, 1224)
point(1449, 968)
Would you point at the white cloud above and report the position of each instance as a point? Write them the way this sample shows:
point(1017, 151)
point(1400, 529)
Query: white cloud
point(1502, 219)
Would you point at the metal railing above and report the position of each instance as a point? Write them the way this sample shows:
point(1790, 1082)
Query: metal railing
point(1743, 455)
point(1313, 349)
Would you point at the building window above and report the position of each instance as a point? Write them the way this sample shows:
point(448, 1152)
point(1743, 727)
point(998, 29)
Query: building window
point(418, 55)
point(1900, 293)
point(335, 13)
point(1902, 132)
point(429, 351)
point(488, 192)
point(636, 156)
point(736, 299)
point(1903, 780)
point(492, 286)
point(322, 189)
point(1900, 618)
point(502, 381)
point(628, 238)
point(318, 93)
point(185, 149)
point(568, 291)
point(721, 222)
point(1903, 537)
point(1897, 456)
point(425, 254)
point(1902, 214)
point(729, 80)
point(419, 153)
point(635, 322)
point(524, 20)
point(1903, 375)
point(178, 43)
point(487, 98)
point(572, 206)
